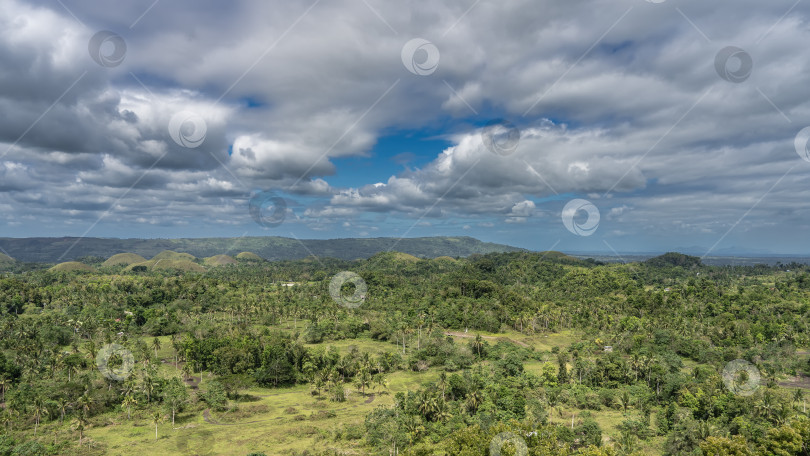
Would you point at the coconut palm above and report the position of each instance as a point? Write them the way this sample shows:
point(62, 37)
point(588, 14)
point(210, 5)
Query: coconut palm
point(380, 381)
point(186, 371)
point(157, 418)
point(156, 345)
point(8, 418)
point(84, 402)
point(474, 400)
point(62, 404)
point(40, 409)
point(128, 402)
point(624, 400)
point(363, 379)
point(5, 382)
point(91, 349)
point(80, 424)
point(478, 344)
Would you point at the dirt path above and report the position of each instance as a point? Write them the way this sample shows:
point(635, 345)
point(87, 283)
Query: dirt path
point(370, 399)
point(796, 382)
point(471, 336)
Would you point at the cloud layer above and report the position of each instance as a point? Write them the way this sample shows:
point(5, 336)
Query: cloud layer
point(617, 102)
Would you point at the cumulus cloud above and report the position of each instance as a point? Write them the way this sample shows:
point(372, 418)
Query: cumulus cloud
point(616, 101)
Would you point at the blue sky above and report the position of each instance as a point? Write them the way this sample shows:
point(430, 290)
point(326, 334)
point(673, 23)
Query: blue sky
point(596, 126)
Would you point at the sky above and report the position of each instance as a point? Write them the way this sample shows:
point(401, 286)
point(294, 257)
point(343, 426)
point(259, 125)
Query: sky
point(586, 126)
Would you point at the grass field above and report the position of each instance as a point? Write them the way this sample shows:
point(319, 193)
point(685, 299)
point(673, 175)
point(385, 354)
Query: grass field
point(273, 421)
point(291, 420)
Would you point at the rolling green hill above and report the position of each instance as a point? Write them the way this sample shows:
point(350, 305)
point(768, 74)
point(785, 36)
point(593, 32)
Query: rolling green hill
point(124, 258)
point(248, 256)
point(52, 250)
point(219, 260)
point(73, 266)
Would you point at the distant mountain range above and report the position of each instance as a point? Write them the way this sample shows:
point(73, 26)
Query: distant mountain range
point(54, 250)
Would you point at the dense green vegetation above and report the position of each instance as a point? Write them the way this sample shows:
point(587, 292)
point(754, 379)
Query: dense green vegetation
point(504, 353)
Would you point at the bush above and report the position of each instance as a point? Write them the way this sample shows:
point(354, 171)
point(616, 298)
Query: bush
point(215, 396)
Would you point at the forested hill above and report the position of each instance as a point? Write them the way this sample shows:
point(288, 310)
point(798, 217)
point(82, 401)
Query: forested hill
point(50, 250)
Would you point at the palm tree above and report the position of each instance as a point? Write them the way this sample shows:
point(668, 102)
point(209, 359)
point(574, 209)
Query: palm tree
point(40, 409)
point(363, 379)
point(624, 400)
point(474, 400)
point(91, 349)
point(766, 406)
point(79, 424)
point(8, 418)
point(798, 396)
point(156, 345)
point(317, 384)
point(157, 418)
point(427, 405)
point(186, 371)
point(148, 386)
point(5, 382)
point(84, 402)
point(71, 367)
point(128, 402)
point(442, 411)
point(478, 344)
point(626, 442)
point(442, 383)
point(380, 381)
point(175, 347)
point(552, 400)
point(62, 404)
